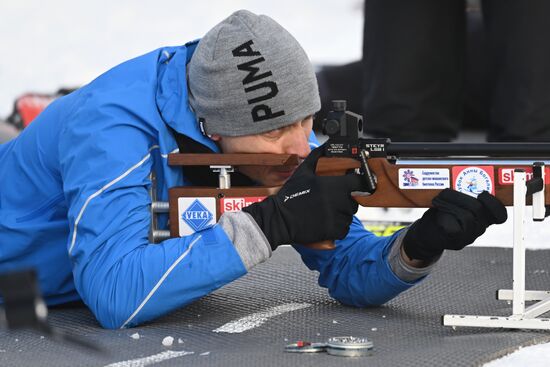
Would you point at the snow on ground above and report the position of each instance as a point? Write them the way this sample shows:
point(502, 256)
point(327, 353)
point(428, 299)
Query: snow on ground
point(46, 45)
point(532, 356)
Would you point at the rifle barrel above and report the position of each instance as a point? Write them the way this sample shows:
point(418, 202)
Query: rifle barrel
point(417, 149)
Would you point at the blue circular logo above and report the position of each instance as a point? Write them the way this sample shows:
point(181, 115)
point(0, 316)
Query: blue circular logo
point(473, 181)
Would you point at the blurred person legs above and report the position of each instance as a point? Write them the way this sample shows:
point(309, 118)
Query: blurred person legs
point(478, 75)
point(339, 82)
point(346, 81)
point(518, 33)
point(413, 59)
point(414, 62)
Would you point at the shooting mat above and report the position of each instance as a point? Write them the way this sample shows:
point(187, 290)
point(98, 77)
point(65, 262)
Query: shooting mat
point(284, 304)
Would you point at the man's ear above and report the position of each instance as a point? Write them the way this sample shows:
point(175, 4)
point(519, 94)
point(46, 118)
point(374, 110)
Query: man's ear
point(215, 137)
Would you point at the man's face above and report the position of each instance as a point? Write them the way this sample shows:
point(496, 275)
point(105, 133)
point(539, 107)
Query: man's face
point(291, 139)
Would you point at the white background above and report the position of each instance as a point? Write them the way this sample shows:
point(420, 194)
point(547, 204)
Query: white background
point(48, 44)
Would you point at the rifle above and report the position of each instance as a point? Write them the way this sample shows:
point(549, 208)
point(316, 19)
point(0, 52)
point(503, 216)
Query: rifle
point(411, 174)
point(396, 174)
point(403, 175)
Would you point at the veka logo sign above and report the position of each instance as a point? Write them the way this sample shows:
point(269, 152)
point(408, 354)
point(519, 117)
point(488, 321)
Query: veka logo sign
point(195, 214)
point(228, 205)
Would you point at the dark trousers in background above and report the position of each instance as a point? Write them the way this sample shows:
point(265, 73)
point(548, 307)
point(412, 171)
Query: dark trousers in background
point(414, 67)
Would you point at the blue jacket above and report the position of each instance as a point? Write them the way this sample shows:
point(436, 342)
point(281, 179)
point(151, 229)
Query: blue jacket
point(74, 204)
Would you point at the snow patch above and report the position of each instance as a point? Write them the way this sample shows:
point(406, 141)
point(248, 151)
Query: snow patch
point(257, 319)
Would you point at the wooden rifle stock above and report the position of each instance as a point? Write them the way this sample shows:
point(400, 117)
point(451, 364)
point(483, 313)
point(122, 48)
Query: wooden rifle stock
point(387, 173)
point(389, 194)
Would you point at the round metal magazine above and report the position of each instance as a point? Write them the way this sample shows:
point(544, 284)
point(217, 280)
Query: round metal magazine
point(306, 347)
point(349, 346)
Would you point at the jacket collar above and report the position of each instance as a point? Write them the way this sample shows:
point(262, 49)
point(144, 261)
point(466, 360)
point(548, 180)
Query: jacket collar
point(172, 94)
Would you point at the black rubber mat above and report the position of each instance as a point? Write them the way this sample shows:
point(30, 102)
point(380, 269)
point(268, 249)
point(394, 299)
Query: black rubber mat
point(406, 332)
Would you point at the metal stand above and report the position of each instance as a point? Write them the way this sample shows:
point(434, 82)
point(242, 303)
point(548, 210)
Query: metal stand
point(224, 179)
point(157, 207)
point(522, 317)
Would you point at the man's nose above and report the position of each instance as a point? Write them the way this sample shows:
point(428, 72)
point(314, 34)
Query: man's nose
point(296, 142)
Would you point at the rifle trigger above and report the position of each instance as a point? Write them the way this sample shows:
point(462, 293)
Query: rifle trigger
point(370, 179)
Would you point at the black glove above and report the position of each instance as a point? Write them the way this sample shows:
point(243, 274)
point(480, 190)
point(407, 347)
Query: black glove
point(454, 221)
point(308, 208)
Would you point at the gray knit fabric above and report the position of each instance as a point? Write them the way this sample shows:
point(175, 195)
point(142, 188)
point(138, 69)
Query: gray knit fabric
point(247, 237)
point(248, 75)
point(401, 269)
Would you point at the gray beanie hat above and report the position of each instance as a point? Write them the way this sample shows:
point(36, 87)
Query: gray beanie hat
point(248, 75)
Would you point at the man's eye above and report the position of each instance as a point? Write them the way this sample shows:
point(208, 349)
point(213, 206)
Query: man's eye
point(273, 134)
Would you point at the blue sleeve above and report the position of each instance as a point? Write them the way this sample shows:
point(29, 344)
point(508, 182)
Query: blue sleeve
point(357, 271)
point(106, 157)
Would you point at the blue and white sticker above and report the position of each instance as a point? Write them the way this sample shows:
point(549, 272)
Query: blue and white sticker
point(195, 214)
point(473, 180)
point(424, 178)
